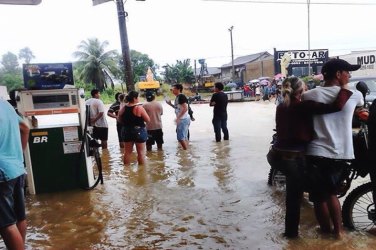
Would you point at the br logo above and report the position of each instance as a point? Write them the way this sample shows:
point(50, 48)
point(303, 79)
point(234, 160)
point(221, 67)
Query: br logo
point(40, 139)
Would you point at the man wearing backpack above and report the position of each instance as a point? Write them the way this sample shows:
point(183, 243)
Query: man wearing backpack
point(182, 117)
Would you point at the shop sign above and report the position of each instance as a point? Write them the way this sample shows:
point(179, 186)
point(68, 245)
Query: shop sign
point(318, 56)
point(366, 61)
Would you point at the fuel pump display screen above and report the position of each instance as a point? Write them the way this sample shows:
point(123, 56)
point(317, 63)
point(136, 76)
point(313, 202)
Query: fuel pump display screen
point(51, 101)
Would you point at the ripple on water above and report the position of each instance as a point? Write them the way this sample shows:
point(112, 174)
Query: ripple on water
point(212, 196)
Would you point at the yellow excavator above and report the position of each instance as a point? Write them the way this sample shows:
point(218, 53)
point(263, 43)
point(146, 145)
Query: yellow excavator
point(148, 83)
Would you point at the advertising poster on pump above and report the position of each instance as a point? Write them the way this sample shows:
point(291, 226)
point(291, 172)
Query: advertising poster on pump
point(47, 75)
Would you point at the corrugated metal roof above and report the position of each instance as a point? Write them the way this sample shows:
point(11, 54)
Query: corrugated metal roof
point(247, 59)
point(211, 71)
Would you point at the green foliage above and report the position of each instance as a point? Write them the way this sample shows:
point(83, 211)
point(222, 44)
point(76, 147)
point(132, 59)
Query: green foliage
point(108, 96)
point(87, 87)
point(10, 63)
point(140, 64)
point(307, 79)
point(165, 88)
point(227, 88)
point(181, 72)
point(94, 61)
point(12, 80)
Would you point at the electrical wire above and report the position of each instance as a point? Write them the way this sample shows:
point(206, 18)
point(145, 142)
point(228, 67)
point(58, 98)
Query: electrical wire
point(291, 2)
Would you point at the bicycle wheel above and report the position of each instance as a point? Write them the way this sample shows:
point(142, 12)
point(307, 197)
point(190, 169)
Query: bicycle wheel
point(276, 178)
point(98, 163)
point(358, 210)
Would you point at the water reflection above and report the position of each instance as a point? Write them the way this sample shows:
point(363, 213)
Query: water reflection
point(62, 216)
point(222, 167)
point(212, 196)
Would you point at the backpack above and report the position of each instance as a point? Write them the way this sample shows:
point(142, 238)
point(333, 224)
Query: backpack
point(190, 111)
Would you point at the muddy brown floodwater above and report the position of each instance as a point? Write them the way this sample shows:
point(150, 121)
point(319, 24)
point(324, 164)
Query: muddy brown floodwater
point(212, 196)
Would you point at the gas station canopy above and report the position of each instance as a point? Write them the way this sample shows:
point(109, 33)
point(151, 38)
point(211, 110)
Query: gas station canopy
point(21, 2)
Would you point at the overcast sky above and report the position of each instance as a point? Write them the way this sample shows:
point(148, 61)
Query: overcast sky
point(170, 30)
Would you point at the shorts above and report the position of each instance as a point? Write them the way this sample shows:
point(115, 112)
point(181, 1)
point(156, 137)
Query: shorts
point(182, 129)
point(12, 201)
point(155, 136)
point(325, 177)
point(136, 134)
point(118, 129)
point(100, 133)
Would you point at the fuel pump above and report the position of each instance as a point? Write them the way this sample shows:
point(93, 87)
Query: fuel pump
point(60, 154)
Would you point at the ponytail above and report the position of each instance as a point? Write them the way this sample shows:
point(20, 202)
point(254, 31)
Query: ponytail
point(290, 87)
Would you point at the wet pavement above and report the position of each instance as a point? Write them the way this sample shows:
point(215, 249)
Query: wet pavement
point(212, 196)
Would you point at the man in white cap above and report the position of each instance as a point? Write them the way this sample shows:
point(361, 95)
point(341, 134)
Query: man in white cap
point(332, 145)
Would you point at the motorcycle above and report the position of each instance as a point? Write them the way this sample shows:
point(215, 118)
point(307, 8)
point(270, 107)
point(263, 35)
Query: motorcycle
point(358, 209)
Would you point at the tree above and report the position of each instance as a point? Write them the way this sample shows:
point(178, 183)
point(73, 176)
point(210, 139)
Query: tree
point(10, 62)
point(181, 72)
point(94, 61)
point(11, 80)
point(26, 54)
point(140, 64)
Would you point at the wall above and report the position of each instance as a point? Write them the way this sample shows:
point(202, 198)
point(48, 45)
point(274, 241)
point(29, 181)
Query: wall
point(4, 93)
point(257, 69)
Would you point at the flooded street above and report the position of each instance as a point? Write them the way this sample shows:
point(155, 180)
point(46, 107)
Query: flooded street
point(212, 196)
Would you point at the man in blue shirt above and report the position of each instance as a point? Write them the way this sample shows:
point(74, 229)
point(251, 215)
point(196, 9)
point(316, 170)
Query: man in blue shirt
point(14, 134)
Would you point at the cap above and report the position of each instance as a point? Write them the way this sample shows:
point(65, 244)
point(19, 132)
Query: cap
point(334, 65)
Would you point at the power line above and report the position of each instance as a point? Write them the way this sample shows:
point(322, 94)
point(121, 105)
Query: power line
point(289, 2)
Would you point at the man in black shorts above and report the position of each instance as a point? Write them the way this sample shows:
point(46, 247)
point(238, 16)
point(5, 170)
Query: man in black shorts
point(154, 127)
point(97, 118)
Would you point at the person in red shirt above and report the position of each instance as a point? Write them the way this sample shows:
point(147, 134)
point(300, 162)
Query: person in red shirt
point(294, 125)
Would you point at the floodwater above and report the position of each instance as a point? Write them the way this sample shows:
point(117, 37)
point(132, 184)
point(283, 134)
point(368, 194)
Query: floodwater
point(212, 196)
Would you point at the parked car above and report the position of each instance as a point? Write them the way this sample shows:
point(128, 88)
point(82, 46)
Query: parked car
point(371, 84)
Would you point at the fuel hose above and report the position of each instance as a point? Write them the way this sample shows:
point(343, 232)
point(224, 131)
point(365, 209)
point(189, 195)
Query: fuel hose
point(92, 145)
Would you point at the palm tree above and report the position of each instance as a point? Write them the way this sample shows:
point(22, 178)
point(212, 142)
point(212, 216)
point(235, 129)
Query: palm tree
point(95, 64)
point(181, 72)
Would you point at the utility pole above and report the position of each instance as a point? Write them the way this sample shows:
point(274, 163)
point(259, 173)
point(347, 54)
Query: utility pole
point(232, 55)
point(128, 72)
point(128, 75)
point(195, 73)
point(309, 38)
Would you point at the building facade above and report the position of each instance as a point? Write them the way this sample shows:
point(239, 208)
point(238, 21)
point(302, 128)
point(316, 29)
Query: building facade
point(246, 67)
point(367, 60)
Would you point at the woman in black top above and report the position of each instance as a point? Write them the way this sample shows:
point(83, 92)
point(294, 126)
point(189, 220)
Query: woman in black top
point(133, 117)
